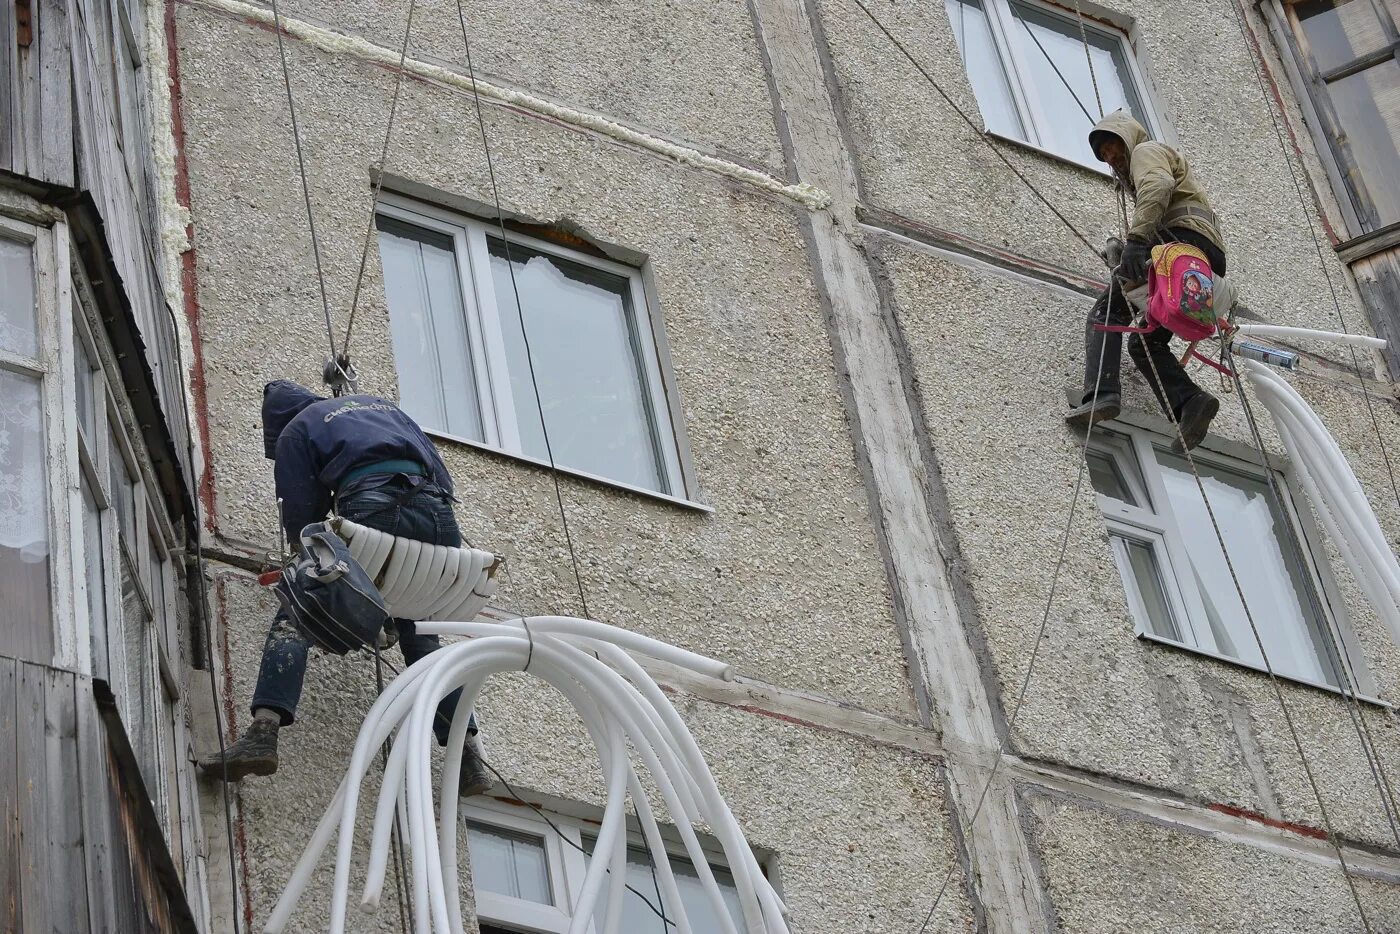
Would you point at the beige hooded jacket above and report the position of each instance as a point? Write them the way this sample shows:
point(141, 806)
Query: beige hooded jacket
point(1163, 187)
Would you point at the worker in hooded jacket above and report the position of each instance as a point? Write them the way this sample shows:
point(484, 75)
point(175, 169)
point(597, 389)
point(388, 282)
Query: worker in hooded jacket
point(367, 459)
point(1169, 205)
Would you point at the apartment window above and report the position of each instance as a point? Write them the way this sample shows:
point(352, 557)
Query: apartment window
point(1349, 51)
point(460, 346)
point(1028, 69)
point(1177, 582)
point(25, 538)
point(526, 878)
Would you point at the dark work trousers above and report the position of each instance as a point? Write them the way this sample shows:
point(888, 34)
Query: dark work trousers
point(410, 507)
point(1147, 350)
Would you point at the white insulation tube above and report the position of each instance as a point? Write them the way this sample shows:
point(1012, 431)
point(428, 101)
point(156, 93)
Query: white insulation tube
point(625, 712)
point(1330, 337)
point(1335, 492)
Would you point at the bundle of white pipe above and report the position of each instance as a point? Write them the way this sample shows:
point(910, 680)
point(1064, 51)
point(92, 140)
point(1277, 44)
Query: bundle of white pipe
point(1335, 492)
point(622, 708)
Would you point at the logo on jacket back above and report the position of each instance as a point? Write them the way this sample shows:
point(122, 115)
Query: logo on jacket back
point(353, 406)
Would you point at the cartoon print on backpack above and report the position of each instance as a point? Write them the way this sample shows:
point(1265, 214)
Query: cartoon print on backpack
point(1197, 296)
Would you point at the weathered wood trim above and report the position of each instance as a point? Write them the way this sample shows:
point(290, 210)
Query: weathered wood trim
point(68, 882)
point(54, 144)
point(8, 86)
point(1369, 244)
point(33, 800)
point(142, 812)
point(9, 798)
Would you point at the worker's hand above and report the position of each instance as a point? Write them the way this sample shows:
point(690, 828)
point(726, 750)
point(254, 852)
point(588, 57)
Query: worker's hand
point(1132, 267)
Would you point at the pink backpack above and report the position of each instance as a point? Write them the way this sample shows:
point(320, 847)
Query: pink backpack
point(1181, 292)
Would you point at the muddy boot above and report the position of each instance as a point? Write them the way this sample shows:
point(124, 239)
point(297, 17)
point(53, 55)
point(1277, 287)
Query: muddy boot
point(1105, 408)
point(1194, 419)
point(255, 753)
point(472, 778)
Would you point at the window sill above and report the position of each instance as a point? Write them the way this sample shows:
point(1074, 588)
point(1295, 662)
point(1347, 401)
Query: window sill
point(577, 474)
point(1330, 689)
point(1095, 168)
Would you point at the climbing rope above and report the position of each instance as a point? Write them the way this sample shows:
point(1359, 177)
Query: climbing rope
point(520, 311)
point(1332, 836)
point(1088, 57)
point(379, 176)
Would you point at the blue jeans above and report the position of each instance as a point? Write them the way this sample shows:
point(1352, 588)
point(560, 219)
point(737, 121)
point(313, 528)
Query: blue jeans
point(410, 507)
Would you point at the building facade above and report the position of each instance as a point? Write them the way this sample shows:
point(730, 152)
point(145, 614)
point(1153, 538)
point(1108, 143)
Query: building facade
point(779, 304)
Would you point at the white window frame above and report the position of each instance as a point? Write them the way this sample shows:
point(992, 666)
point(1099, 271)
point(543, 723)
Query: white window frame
point(1001, 21)
point(1135, 448)
point(487, 344)
point(567, 864)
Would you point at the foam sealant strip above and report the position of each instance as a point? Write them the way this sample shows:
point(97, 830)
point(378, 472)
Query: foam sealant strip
point(337, 43)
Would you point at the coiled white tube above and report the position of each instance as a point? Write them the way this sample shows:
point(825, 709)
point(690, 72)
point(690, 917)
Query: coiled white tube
point(1335, 491)
point(623, 710)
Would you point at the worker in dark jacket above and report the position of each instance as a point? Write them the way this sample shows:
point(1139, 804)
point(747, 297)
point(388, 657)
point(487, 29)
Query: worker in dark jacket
point(1168, 205)
point(365, 457)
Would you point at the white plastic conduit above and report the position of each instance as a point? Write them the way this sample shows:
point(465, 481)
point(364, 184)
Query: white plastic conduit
point(1333, 488)
point(1330, 337)
point(624, 712)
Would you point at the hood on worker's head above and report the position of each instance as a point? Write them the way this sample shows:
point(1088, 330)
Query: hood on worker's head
point(283, 400)
point(1121, 124)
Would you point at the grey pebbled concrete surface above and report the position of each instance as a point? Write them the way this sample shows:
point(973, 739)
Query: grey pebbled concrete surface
point(750, 352)
point(984, 347)
point(691, 72)
point(1113, 874)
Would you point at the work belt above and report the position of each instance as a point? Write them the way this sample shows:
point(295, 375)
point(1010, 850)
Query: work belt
point(1187, 210)
point(410, 468)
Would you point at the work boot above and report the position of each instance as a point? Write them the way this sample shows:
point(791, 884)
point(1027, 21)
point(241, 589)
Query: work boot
point(472, 777)
point(1194, 420)
point(1092, 411)
point(255, 753)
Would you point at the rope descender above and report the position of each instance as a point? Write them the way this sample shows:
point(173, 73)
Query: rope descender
point(339, 374)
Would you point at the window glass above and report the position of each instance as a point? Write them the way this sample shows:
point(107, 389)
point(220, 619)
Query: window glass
point(1368, 106)
point(984, 68)
point(24, 520)
point(94, 567)
point(141, 680)
point(1059, 82)
point(1339, 31)
point(437, 380)
point(83, 381)
point(1277, 588)
point(123, 496)
point(1107, 478)
point(587, 358)
point(19, 322)
point(1144, 571)
point(509, 863)
point(637, 915)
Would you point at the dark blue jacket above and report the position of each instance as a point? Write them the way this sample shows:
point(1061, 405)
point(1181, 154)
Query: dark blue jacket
point(316, 441)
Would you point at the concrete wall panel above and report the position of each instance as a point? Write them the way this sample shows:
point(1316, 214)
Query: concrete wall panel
point(990, 354)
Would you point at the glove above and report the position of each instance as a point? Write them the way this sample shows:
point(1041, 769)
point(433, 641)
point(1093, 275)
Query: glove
point(1132, 266)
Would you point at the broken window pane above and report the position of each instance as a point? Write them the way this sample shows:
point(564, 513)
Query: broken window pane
point(585, 356)
point(984, 67)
